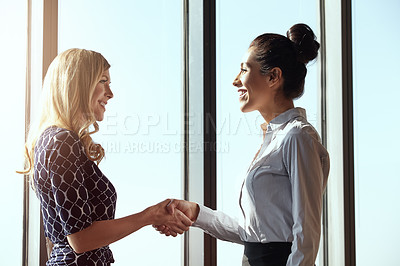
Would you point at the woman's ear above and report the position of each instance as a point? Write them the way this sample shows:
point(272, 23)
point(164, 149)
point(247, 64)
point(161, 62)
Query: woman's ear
point(275, 77)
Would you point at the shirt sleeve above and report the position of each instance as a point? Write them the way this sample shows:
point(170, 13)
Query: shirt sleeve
point(304, 158)
point(219, 225)
point(66, 161)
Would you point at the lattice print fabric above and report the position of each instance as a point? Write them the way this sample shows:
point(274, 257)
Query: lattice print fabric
point(73, 193)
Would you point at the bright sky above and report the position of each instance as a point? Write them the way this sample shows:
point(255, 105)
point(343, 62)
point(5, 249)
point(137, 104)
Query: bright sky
point(376, 93)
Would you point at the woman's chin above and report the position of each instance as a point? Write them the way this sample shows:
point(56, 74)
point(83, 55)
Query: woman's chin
point(99, 118)
point(244, 108)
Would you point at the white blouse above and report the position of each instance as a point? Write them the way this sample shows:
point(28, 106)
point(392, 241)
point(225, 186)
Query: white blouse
point(281, 197)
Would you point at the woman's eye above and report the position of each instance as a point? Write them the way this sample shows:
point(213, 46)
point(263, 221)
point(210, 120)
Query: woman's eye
point(242, 70)
point(103, 81)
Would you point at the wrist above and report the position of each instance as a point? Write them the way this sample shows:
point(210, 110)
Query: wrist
point(196, 209)
point(150, 215)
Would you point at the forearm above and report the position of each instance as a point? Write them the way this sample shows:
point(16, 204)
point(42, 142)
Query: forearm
point(305, 245)
point(219, 225)
point(103, 233)
point(307, 227)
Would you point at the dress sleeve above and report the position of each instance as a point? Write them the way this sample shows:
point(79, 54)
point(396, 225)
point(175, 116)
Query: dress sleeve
point(219, 225)
point(66, 162)
point(304, 158)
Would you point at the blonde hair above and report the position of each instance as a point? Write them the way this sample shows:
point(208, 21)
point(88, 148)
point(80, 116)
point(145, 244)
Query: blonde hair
point(67, 91)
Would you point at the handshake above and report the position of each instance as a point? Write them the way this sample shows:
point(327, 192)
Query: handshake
point(172, 217)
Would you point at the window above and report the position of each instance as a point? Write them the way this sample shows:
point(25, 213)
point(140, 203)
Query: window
point(376, 95)
point(142, 128)
point(13, 72)
point(238, 134)
point(159, 78)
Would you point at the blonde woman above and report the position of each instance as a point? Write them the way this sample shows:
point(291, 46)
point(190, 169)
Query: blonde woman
point(77, 200)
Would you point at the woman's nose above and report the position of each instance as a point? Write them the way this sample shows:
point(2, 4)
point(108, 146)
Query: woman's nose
point(236, 82)
point(109, 92)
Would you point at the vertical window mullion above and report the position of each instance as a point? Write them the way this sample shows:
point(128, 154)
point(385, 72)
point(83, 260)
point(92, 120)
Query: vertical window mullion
point(209, 90)
point(194, 123)
point(50, 46)
point(335, 132)
point(25, 217)
point(325, 226)
point(50, 32)
point(348, 132)
point(32, 251)
point(200, 112)
point(186, 120)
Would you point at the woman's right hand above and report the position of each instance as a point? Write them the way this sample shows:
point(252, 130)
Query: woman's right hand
point(174, 207)
point(176, 221)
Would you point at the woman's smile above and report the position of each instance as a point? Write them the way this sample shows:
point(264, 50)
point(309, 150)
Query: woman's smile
point(243, 93)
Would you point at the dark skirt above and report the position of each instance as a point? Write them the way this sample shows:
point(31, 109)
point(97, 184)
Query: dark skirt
point(266, 254)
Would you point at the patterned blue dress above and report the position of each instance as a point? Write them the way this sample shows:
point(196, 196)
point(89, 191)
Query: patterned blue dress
point(73, 193)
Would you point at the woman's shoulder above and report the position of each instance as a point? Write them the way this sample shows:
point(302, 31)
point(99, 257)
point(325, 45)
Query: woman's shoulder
point(56, 137)
point(301, 130)
point(65, 135)
point(59, 133)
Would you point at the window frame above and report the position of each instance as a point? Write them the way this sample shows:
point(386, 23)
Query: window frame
point(200, 84)
point(339, 131)
point(41, 49)
point(348, 133)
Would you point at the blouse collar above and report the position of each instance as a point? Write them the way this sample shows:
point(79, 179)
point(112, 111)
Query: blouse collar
point(283, 118)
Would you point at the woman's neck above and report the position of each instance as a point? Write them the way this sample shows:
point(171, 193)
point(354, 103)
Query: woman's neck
point(270, 112)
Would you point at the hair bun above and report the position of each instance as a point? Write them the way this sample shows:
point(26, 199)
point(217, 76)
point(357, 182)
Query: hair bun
point(305, 41)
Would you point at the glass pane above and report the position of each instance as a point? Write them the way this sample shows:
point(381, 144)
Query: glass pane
point(376, 95)
point(239, 135)
point(141, 131)
point(13, 17)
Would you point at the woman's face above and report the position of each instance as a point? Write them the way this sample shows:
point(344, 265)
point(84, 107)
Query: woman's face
point(252, 86)
point(102, 93)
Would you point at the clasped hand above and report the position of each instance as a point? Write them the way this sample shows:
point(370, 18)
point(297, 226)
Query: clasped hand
point(178, 208)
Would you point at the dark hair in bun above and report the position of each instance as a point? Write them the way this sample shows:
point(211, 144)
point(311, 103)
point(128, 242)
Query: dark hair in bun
point(290, 54)
point(304, 39)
